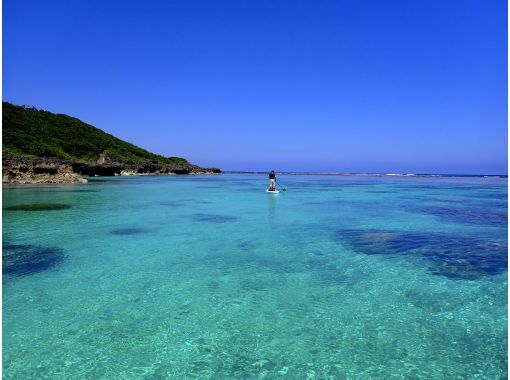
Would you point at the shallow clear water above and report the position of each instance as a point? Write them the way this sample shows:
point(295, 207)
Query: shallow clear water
point(211, 277)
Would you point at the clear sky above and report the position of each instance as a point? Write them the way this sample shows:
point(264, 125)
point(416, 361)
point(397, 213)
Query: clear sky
point(339, 85)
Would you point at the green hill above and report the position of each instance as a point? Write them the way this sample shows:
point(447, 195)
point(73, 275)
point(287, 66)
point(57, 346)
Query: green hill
point(31, 132)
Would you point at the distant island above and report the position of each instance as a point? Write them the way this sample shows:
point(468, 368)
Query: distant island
point(42, 147)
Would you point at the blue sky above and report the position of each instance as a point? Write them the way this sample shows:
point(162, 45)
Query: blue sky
point(346, 86)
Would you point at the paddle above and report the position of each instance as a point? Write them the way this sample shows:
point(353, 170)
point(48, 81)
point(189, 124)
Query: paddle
point(283, 188)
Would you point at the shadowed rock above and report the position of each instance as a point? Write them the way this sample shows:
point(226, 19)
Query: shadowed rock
point(24, 259)
point(38, 207)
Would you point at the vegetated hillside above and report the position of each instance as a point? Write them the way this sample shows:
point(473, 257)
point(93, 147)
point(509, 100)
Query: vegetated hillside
point(31, 132)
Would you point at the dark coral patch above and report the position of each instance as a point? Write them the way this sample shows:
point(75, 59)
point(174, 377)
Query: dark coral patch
point(452, 256)
point(24, 259)
point(464, 215)
point(213, 218)
point(172, 203)
point(177, 203)
point(38, 207)
point(128, 231)
point(248, 245)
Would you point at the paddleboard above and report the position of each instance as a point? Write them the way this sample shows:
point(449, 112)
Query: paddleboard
point(272, 192)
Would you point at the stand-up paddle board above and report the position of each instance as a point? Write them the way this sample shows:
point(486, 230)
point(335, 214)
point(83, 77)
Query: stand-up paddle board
point(272, 192)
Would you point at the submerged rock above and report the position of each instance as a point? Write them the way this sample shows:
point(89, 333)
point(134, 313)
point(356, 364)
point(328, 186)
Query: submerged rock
point(24, 259)
point(38, 207)
point(464, 215)
point(128, 231)
point(213, 218)
point(173, 203)
point(453, 256)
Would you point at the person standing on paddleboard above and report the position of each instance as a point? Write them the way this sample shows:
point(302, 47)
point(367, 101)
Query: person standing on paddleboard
point(272, 181)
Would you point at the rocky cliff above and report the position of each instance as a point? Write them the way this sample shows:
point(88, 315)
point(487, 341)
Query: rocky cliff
point(38, 170)
point(23, 170)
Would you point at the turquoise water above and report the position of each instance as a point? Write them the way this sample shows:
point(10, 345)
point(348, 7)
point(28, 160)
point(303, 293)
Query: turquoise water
point(211, 277)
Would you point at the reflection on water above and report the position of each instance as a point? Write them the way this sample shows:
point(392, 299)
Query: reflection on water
point(272, 206)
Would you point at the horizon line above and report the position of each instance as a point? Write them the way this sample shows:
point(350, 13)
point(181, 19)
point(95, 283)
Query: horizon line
point(366, 174)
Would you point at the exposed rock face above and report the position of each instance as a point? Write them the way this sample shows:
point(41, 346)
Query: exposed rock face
point(52, 170)
point(110, 168)
point(38, 170)
point(102, 159)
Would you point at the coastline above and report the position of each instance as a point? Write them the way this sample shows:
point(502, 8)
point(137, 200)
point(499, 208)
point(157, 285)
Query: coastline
point(48, 170)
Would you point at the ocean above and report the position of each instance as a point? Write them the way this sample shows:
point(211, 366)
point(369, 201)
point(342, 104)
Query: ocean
point(210, 277)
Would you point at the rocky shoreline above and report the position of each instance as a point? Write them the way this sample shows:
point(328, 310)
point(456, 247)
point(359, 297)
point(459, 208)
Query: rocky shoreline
point(22, 170)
